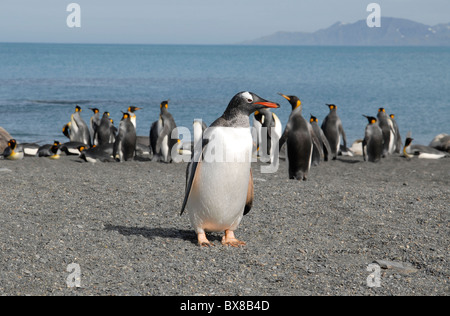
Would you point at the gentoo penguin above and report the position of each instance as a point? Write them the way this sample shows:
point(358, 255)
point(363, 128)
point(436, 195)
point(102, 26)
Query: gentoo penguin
point(334, 131)
point(323, 141)
point(79, 131)
point(125, 145)
point(14, 151)
point(268, 123)
point(131, 111)
point(166, 140)
point(94, 124)
point(106, 131)
point(387, 127)
point(372, 145)
point(219, 184)
point(421, 151)
point(398, 138)
point(300, 140)
point(46, 150)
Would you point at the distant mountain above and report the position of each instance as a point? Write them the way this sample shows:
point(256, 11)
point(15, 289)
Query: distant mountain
point(393, 32)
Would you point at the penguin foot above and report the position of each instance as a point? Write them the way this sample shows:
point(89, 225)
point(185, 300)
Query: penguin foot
point(203, 241)
point(230, 240)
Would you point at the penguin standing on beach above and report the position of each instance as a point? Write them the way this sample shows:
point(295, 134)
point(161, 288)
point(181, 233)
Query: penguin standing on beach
point(334, 131)
point(398, 138)
point(268, 123)
point(300, 140)
point(166, 142)
point(79, 131)
point(387, 128)
point(106, 131)
point(219, 184)
point(125, 144)
point(94, 124)
point(131, 111)
point(372, 145)
point(323, 142)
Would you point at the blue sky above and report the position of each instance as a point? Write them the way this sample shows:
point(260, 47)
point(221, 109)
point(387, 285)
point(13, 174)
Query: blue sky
point(193, 21)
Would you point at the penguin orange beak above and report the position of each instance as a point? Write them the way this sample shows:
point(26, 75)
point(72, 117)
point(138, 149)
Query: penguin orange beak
point(267, 104)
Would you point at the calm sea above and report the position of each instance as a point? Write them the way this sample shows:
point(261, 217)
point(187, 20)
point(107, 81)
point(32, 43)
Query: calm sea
point(40, 84)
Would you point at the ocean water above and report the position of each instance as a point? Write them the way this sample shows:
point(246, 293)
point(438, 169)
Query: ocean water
point(40, 84)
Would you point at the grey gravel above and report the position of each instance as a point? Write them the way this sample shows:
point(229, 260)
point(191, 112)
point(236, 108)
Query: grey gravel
point(120, 223)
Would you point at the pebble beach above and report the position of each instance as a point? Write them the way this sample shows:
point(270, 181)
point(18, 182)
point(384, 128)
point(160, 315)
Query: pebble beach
point(120, 224)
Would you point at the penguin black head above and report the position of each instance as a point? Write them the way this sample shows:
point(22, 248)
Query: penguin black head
point(259, 117)
point(164, 104)
point(77, 109)
point(248, 102)
point(12, 144)
point(95, 110)
point(133, 109)
point(381, 110)
point(106, 114)
point(408, 141)
point(371, 119)
point(66, 130)
point(313, 119)
point(332, 106)
point(56, 143)
point(125, 116)
point(293, 100)
point(81, 148)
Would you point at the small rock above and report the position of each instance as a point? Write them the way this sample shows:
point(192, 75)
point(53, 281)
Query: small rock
point(399, 267)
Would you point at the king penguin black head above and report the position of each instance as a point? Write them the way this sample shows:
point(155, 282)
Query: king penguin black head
point(371, 119)
point(293, 100)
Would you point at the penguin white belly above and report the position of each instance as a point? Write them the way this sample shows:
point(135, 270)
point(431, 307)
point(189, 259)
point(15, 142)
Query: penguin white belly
point(16, 156)
point(165, 148)
point(431, 156)
point(219, 192)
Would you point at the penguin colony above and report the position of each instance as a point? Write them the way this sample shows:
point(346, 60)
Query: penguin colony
point(219, 190)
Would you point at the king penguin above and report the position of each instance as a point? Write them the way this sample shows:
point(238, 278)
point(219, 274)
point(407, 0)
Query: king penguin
point(79, 131)
point(14, 151)
point(398, 138)
point(372, 145)
point(94, 124)
point(106, 130)
point(268, 123)
point(422, 151)
point(131, 111)
point(300, 140)
point(125, 144)
point(387, 127)
point(323, 141)
point(166, 140)
point(334, 131)
point(219, 184)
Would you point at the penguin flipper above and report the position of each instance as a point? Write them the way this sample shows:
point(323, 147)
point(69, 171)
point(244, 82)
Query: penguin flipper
point(191, 173)
point(250, 194)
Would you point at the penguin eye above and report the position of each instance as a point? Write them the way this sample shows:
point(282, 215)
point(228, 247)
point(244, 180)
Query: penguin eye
point(248, 97)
